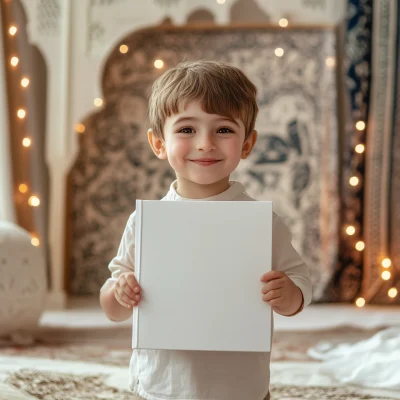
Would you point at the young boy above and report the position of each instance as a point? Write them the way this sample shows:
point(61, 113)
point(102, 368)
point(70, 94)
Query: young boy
point(202, 116)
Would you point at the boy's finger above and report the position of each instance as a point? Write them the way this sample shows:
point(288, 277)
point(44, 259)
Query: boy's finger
point(122, 302)
point(271, 275)
point(275, 284)
point(128, 295)
point(271, 295)
point(126, 298)
point(131, 280)
point(129, 292)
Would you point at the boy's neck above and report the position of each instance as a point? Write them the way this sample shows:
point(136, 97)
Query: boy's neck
point(192, 190)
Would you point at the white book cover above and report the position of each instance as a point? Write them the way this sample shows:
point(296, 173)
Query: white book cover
point(199, 265)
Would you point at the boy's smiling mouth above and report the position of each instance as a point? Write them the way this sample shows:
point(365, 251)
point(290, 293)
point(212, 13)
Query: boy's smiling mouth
point(205, 161)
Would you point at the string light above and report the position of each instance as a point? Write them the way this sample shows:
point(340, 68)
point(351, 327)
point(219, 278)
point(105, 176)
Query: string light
point(13, 30)
point(354, 181)
point(23, 188)
point(35, 241)
point(279, 52)
point(386, 263)
point(386, 275)
point(330, 62)
point(283, 22)
point(392, 292)
point(360, 246)
point(360, 148)
point(24, 82)
point(123, 48)
point(14, 61)
point(360, 302)
point(34, 201)
point(80, 128)
point(350, 230)
point(98, 102)
point(360, 125)
point(21, 113)
point(159, 64)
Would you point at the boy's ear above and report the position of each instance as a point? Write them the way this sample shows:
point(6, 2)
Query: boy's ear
point(249, 144)
point(157, 144)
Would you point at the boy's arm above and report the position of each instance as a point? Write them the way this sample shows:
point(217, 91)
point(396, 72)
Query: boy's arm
point(122, 263)
point(289, 270)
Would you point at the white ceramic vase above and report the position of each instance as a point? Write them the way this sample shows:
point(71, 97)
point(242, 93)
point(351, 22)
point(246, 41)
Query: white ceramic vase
point(23, 284)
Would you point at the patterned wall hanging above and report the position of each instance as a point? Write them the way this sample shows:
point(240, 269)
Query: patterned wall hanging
point(294, 163)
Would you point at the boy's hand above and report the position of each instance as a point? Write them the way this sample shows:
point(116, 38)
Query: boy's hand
point(127, 290)
point(281, 293)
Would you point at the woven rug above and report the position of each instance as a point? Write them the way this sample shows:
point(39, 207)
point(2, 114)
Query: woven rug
point(58, 386)
point(93, 364)
point(112, 346)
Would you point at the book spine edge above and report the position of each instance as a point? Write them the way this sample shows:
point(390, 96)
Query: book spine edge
point(138, 262)
point(270, 245)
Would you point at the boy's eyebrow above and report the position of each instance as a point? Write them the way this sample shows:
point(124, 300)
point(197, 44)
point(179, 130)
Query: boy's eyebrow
point(188, 119)
point(183, 119)
point(230, 120)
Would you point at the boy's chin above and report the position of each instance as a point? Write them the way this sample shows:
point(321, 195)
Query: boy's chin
point(208, 181)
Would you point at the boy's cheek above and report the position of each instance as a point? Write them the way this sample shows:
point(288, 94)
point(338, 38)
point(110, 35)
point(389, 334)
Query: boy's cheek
point(178, 148)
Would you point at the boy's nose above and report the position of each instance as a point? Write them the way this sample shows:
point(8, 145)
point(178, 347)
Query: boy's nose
point(205, 143)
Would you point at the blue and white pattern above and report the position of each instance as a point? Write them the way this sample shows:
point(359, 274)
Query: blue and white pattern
point(346, 282)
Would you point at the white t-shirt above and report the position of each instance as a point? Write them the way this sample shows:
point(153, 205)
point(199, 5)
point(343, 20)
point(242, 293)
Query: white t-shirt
point(197, 375)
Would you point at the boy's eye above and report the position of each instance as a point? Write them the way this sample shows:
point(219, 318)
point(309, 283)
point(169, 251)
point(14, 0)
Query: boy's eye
point(186, 130)
point(225, 130)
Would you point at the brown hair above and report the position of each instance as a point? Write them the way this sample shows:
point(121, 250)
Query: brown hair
point(221, 88)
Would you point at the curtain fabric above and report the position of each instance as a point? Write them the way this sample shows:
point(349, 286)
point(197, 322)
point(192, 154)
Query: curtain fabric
point(394, 213)
point(379, 154)
point(373, 208)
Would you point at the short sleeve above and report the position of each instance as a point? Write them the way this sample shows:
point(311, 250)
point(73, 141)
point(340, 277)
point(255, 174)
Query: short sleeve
point(286, 259)
point(124, 261)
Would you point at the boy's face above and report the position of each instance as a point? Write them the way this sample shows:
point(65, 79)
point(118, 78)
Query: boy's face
point(202, 148)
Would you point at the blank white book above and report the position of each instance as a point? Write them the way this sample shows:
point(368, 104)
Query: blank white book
point(199, 265)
